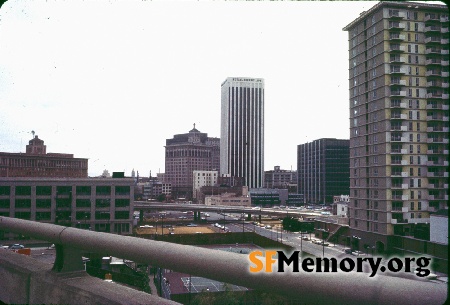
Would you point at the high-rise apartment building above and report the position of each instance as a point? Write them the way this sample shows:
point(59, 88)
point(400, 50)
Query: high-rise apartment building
point(399, 119)
point(323, 170)
point(186, 153)
point(242, 130)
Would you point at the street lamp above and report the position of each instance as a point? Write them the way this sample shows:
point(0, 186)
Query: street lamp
point(301, 241)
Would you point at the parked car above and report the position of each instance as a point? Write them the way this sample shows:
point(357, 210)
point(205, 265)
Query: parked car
point(16, 247)
point(268, 227)
point(348, 251)
point(357, 253)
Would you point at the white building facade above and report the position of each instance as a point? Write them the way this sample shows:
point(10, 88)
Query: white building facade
point(203, 178)
point(242, 130)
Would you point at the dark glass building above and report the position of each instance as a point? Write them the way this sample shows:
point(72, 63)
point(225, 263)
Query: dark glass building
point(323, 170)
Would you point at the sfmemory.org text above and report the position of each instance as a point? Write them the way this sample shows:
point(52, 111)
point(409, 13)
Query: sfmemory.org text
point(263, 262)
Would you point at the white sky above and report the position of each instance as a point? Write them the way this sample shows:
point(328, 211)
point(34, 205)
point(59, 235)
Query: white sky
point(112, 80)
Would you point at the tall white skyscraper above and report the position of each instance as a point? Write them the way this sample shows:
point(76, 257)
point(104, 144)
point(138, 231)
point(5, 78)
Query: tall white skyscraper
point(242, 130)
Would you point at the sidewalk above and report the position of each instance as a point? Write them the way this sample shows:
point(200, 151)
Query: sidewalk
point(152, 285)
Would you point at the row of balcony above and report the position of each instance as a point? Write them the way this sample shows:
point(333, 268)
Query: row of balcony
point(439, 84)
point(437, 117)
point(436, 18)
point(438, 186)
point(400, 209)
point(398, 104)
point(437, 140)
point(395, 115)
point(438, 129)
point(436, 73)
point(433, 186)
point(436, 50)
point(436, 29)
point(436, 61)
point(411, 220)
point(398, 82)
point(439, 174)
point(437, 94)
point(437, 151)
point(436, 40)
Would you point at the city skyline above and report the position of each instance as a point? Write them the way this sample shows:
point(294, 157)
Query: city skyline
point(113, 87)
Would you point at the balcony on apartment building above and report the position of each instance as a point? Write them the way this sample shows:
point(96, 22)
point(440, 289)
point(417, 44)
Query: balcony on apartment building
point(437, 140)
point(396, 14)
point(439, 162)
point(438, 128)
point(394, 25)
point(398, 221)
point(433, 50)
point(397, 82)
point(444, 18)
point(437, 105)
point(396, 37)
point(398, 116)
point(433, 40)
point(432, 17)
point(400, 209)
point(433, 61)
point(432, 28)
point(434, 94)
point(396, 103)
point(437, 174)
point(438, 186)
point(396, 48)
point(397, 70)
point(437, 151)
point(433, 72)
point(440, 196)
point(417, 220)
point(436, 83)
point(398, 93)
point(437, 117)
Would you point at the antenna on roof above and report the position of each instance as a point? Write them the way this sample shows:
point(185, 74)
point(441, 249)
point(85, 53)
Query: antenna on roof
point(32, 132)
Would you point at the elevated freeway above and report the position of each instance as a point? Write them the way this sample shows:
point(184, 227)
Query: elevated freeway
point(151, 206)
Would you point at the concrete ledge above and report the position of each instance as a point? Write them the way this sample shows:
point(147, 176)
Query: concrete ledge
point(25, 280)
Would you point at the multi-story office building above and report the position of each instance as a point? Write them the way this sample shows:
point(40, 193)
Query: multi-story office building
point(323, 170)
point(186, 153)
point(280, 178)
point(154, 189)
point(399, 114)
point(100, 204)
point(242, 130)
point(36, 162)
point(203, 178)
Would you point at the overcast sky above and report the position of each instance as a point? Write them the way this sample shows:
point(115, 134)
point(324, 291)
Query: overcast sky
point(112, 80)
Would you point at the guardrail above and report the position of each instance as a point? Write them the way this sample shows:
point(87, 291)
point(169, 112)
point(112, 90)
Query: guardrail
point(308, 288)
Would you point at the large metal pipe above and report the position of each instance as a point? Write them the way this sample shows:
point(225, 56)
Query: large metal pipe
point(307, 288)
